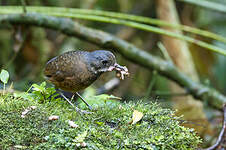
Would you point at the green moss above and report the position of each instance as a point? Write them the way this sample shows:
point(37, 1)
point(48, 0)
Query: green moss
point(108, 127)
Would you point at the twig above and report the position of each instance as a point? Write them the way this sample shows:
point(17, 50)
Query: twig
point(162, 93)
point(152, 83)
point(221, 135)
point(129, 51)
point(19, 40)
point(164, 52)
point(24, 6)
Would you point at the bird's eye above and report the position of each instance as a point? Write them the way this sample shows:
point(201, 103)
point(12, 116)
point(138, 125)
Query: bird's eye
point(104, 62)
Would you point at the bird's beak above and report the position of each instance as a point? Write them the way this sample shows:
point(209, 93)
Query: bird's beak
point(114, 67)
point(111, 68)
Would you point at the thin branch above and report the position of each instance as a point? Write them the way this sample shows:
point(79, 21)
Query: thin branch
point(164, 52)
point(152, 83)
point(168, 94)
point(220, 139)
point(24, 6)
point(129, 51)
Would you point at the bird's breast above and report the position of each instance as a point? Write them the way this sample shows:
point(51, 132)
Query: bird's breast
point(77, 82)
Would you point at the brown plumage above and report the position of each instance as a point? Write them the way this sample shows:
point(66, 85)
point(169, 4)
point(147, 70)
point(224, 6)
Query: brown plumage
point(75, 70)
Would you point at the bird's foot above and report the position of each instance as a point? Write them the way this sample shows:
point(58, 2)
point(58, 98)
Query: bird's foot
point(80, 111)
point(76, 108)
point(90, 107)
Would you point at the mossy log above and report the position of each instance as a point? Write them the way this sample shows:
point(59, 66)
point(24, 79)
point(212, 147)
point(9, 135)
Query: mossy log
point(107, 127)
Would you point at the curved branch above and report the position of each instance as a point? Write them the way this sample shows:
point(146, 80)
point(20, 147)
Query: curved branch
point(221, 138)
point(129, 51)
point(141, 25)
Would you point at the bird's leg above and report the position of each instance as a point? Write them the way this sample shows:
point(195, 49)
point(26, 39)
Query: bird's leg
point(67, 100)
point(76, 108)
point(83, 100)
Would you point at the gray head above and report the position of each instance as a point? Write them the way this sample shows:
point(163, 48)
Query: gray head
point(101, 61)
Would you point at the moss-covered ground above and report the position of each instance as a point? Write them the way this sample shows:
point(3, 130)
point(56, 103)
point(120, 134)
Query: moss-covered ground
point(108, 127)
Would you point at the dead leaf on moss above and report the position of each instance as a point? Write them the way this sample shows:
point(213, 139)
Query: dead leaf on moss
point(72, 124)
point(137, 116)
point(53, 117)
point(82, 144)
point(27, 110)
point(20, 147)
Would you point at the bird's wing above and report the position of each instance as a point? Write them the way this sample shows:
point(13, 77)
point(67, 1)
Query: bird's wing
point(54, 75)
point(60, 68)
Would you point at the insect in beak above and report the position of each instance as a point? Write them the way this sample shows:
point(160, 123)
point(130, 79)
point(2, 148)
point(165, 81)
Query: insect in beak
point(111, 68)
point(121, 71)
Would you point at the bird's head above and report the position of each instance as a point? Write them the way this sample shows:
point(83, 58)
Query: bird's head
point(102, 61)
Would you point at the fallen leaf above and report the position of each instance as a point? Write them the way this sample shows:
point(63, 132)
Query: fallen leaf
point(120, 107)
point(137, 116)
point(22, 116)
point(99, 123)
point(82, 144)
point(20, 147)
point(80, 138)
point(27, 110)
point(72, 124)
point(33, 107)
point(53, 117)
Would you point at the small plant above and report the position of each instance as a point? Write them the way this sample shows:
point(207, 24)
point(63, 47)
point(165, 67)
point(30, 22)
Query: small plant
point(39, 93)
point(4, 77)
point(42, 93)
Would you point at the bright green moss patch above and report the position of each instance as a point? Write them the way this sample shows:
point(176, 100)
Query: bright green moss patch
point(108, 127)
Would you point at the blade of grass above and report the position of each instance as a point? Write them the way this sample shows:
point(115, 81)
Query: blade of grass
point(130, 17)
point(144, 27)
point(24, 5)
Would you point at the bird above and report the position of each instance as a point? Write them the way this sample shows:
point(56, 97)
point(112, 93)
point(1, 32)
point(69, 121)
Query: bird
point(74, 71)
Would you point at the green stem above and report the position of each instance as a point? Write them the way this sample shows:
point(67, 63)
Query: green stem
point(141, 19)
point(104, 17)
point(170, 94)
point(146, 28)
point(164, 52)
point(3, 93)
point(152, 83)
point(24, 6)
